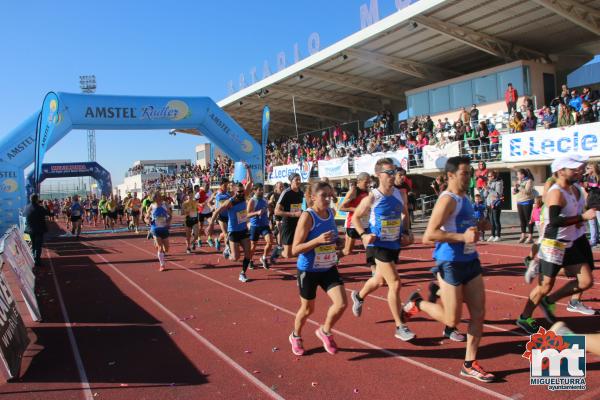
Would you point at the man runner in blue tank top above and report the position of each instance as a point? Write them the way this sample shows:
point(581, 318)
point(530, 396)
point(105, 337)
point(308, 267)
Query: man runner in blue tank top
point(387, 209)
point(258, 212)
point(219, 197)
point(455, 233)
point(237, 223)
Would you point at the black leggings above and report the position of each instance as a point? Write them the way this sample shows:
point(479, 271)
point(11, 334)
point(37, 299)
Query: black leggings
point(494, 214)
point(525, 217)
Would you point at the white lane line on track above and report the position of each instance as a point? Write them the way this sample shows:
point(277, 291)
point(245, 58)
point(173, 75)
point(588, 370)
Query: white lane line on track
point(489, 254)
point(347, 336)
point(487, 290)
point(266, 389)
point(498, 328)
point(85, 384)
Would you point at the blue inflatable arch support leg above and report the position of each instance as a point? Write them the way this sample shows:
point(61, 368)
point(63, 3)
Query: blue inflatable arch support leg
point(62, 112)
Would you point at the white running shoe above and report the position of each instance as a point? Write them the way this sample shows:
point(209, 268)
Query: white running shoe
point(561, 329)
point(243, 277)
point(491, 238)
point(356, 304)
point(404, 333)
point(579, 307)
point(533, 270)
point(496, 239)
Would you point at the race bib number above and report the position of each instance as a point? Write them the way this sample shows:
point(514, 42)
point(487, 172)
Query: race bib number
point(295, 207)
point(552, 251)
point(325, 256)
point(390, 230)
point(76, 213)
point(242, 217)
point(192, 214)
point(470, 248)
point(160, 222)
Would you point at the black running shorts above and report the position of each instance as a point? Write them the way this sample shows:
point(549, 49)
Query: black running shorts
point(190, 222)
point(288, 229)
point(579, 253)
point(238, 236)
point(309, 281)
point(352, 233)
point(383, 254)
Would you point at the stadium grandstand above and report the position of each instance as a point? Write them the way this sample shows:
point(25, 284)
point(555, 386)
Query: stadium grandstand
point(431, 77)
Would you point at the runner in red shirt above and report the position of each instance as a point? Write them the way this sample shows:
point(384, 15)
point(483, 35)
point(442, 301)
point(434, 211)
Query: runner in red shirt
point(357, 192)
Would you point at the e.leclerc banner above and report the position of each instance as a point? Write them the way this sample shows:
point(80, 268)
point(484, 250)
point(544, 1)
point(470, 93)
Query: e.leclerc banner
point(13, 335)
point(552, 143)
point(16, 253)
point(282, 172)
point(49, 119)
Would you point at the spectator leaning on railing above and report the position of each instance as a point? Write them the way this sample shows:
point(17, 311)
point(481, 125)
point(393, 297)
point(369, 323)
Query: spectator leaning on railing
point(548, 118)
point(530, 123)
point(565, 117)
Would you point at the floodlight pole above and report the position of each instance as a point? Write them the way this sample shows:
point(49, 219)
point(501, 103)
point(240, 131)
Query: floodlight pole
point(87, 83)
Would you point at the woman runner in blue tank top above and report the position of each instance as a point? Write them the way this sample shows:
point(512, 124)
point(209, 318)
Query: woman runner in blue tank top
point(258, 212)
point(452, 229)
point(159, 218)
point(237, 224)
point(316, 244)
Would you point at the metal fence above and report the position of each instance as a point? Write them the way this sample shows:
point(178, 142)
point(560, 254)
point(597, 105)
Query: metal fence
point(424, 206)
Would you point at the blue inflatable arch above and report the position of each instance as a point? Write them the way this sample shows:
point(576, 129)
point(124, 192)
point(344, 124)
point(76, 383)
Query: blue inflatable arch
point(63, 112)
point(68, 170)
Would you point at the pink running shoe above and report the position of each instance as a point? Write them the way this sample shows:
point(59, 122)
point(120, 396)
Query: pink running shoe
point(297, 347)
point(328, 342)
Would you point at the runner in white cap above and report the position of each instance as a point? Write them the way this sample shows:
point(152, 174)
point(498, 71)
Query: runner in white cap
point(563, 245)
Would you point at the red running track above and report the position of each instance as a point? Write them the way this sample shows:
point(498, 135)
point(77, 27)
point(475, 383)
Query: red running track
point(196, 332)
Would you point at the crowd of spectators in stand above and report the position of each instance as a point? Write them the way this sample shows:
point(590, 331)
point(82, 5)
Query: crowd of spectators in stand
point(190, 175)
point(479, 136)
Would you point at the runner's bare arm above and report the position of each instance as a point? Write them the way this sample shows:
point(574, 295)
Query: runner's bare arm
point(349, 197)
point(405, 216)
point(223, 207)
point(441, 211)
point(281, 213)
point(555, 202)
point(249, 181)
point(250, 209)
point(360, 211)
point(304, 225)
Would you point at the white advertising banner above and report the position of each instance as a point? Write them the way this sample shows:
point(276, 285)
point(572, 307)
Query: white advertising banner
point(367, 162)
point(333, 168)
point(282, 173)
point(16, 253)
point(548, 144)
point(435, 157)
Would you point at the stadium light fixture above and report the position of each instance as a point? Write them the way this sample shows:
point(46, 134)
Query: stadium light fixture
point(87, 83)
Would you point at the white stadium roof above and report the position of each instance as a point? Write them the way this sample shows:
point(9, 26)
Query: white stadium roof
point(426, 42)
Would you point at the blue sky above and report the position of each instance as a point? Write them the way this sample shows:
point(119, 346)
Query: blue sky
point(184, 48)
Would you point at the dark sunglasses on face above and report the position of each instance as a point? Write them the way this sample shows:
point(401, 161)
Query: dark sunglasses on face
point(389, 172)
